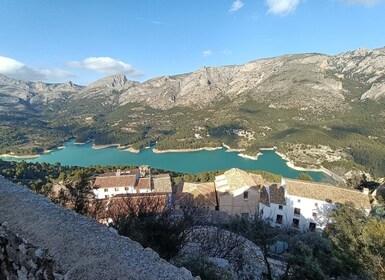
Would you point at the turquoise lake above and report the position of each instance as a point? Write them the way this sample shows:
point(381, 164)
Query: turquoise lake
point(189, 162)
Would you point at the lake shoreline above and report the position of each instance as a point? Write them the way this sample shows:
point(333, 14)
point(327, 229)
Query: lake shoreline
point(225, 148)
point(250, 157)
point(156, 151)
point(291, 165)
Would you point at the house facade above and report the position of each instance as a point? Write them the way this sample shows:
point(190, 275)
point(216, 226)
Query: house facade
point(305, 205)
point(129, 182)
point(238, 192)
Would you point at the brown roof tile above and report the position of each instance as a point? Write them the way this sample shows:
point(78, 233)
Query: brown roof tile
point(264, 198)
point(237, 178)
point(326, 192)
point(143, 183)
point(202, 194)
point(277, 194)
point(115, 181)
point(161, 183)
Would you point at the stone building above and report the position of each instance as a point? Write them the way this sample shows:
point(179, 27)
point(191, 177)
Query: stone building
point(239, 192)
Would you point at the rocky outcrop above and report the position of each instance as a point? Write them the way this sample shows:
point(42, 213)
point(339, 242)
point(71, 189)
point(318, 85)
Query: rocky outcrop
point(21, 96)
point(41, 240)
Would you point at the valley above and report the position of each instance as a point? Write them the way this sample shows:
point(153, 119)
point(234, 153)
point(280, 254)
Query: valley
point(317, 110)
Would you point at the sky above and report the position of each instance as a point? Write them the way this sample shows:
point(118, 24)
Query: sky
point(85, 40)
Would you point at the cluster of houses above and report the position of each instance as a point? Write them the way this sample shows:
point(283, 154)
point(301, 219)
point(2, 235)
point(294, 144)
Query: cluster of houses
point(291, 203)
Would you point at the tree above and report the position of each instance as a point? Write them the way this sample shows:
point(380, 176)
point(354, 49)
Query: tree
point(359, 241)
point(311, 256)
point(146, 220)
point(305, 177)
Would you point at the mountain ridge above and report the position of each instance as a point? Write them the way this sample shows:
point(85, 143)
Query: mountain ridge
point(316, 109)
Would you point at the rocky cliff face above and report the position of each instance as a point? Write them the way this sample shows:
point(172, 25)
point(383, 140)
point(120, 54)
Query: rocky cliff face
point(18, 95)
point(306, 82)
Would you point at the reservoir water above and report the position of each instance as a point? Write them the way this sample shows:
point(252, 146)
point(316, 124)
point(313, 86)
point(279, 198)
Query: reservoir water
point(188, 162)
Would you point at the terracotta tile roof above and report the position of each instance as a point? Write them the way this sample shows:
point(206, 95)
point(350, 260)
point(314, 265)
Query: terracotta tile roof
point(237, 178)
point(161, 183)
point(326, 192)
point(264, 197)
point(115, 181)
point(257, 179)
point(201, 195)
point(143, 183)
point(277, 194)
point(272, 193)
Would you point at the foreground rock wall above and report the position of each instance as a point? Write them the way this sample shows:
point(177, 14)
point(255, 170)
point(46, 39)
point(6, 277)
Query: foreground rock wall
point(41, 240)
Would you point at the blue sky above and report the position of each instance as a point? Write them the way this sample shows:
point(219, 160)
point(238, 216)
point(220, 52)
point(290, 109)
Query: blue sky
point(80, 40)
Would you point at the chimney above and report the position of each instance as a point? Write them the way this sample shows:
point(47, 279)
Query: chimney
point(118, 172)
point(365, 191)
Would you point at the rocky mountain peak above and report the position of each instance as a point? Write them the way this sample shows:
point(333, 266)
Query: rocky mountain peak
point(118, 81)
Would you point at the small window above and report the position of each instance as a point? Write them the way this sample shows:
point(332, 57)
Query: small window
point(116, 189)
point(316, 204)
point(105, 190)
point(295, 223)
point(279, 219)
point(298, 200)
point(312, 226)
point(297, 211)
point(245, 215)
point(106, 196)
point(261, 212)
point(280, 207)
point(314, 215)
point(126, 188)
point(246, 195)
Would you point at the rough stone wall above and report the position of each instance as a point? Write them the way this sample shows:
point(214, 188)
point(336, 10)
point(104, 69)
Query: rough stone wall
point(41, 240)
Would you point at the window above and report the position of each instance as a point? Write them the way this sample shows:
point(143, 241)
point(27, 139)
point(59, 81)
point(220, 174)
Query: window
point(312, 226)
point(246, 195)
point(105, 190)
point(126, 188)
point(245, 215)
point(297, 211)
point(279, 219)
point(295, 223)
point(298, 200)
point(314, 215)
point(316, 204)
point(280, 207)
point(116, 189)
point(106, 196)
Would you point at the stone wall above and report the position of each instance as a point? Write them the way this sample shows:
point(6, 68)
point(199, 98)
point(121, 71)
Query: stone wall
point(41, 240)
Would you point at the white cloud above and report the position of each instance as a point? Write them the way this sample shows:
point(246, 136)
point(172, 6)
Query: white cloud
point(282, 7)
point(365, 2)
point(236, 6)
point(18, 70)
point(105, 65)
point(207, 53)
point(226, 52)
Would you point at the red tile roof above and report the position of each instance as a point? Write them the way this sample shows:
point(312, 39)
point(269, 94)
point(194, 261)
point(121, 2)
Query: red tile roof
point(115, 181)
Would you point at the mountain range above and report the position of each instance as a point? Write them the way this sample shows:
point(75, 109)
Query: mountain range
point(313, 103)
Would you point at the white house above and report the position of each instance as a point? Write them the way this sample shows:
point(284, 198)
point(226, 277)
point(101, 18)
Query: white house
point(131, 182)
point(110, 184)
point(304, 205)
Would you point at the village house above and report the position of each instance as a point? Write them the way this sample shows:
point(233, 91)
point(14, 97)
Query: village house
point(131, 182)
point(239, 192)
point(304, 205)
